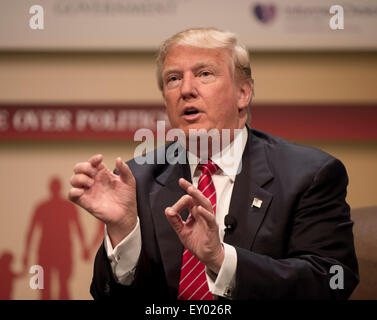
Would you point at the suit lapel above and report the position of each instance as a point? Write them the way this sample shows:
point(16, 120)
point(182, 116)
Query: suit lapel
point(165, 194)
point(248, 184)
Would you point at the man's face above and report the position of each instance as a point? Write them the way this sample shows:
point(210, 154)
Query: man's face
point(199, 90)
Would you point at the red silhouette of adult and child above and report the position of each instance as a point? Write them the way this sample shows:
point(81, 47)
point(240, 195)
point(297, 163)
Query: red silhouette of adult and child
point(58, 220)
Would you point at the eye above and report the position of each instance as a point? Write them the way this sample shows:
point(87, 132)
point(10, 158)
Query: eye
point(172, 78)
point(206, 76)
point(172, 81)
point(205, 73)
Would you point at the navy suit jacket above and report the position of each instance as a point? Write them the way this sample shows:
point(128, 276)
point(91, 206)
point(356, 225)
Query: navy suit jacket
point(285, 248)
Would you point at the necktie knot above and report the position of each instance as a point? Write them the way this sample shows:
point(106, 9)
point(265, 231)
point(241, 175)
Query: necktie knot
point(208, 167)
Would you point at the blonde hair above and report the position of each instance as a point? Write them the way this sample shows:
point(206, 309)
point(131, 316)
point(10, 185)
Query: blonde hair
point(210, 38)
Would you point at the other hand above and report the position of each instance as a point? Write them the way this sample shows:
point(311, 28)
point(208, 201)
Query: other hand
point(200, 232)
point(108, 197)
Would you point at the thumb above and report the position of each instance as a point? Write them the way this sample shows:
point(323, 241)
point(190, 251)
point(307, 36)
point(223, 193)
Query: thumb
point(124, 171)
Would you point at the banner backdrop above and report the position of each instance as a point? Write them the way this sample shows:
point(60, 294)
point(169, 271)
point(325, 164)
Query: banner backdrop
point(143, 24)
point(121, 122)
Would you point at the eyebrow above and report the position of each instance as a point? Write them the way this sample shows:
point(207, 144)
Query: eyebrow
point(204, 64)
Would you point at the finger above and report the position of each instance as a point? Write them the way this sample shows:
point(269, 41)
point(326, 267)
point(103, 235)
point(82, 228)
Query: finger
point(96, 160)
point(75, 193)
point(174, 219)
point(195, 193)
point(124, 171)
point(198, 216)
point(207, 216)
point(184, 184)
point(183, 203)
point(85, 168)
point(81, 181)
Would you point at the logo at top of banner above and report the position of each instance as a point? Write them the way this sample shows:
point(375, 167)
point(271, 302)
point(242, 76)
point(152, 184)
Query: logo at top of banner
point(265, 13)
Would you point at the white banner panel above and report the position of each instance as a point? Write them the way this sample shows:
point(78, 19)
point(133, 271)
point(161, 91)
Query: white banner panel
point(143, 24)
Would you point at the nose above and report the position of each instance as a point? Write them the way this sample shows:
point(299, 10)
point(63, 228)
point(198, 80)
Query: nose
point(188, 87)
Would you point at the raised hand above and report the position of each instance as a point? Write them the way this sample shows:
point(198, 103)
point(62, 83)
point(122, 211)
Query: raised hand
point(108, 197)
point(200, 232)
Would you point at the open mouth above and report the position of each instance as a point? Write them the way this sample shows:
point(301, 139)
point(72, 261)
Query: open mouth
point(190, 111)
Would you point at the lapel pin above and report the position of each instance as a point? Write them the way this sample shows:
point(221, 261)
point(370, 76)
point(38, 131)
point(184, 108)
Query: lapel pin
point(257, 203)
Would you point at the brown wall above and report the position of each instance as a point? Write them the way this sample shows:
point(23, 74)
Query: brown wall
point(130, 77)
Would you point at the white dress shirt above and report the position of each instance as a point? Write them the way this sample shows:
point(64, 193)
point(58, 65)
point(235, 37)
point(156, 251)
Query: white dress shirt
point(123, 258)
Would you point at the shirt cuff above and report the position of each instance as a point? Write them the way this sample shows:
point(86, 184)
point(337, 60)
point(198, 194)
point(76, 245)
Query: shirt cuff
point(223, 283)
point(124, 257)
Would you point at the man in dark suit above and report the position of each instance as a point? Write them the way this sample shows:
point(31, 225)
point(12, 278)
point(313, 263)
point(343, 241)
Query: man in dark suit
point(287, 225)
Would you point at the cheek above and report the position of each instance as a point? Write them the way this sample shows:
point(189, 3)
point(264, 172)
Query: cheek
point(224, 102)
point(173, 116)
point(170, 105)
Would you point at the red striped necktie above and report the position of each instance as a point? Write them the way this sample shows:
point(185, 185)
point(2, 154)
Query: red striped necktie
point(193, 282)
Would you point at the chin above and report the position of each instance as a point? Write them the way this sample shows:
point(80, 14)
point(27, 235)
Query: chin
point(197, 126)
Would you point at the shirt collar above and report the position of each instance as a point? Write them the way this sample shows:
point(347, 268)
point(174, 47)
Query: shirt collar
point(228, 159)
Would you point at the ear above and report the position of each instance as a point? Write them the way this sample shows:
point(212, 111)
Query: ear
point(245, 92)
